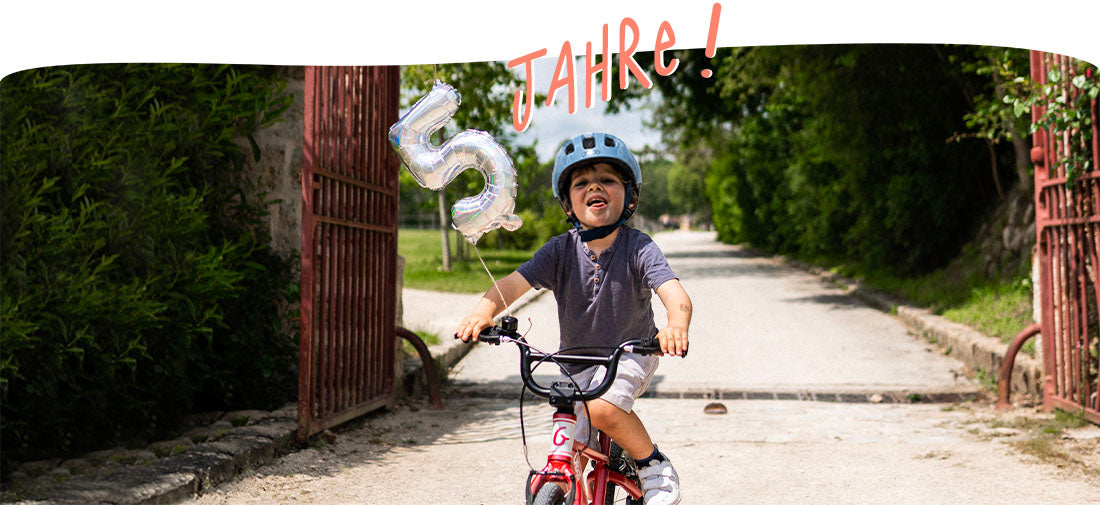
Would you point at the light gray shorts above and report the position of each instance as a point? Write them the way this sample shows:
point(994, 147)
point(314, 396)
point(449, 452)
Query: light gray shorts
point(631, 380)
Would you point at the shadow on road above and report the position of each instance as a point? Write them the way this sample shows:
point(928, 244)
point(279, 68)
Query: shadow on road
point(380, 438)
point(836, 301)
point(728, 253)
point(718, 270)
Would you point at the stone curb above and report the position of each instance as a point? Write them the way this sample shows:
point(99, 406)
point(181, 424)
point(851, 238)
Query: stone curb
point(982, 353)
point(191, 465)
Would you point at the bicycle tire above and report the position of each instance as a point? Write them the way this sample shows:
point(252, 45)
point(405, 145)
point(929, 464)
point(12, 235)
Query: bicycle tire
point(550, 494)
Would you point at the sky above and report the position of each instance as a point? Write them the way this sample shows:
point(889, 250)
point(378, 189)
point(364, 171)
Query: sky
point(551, 125)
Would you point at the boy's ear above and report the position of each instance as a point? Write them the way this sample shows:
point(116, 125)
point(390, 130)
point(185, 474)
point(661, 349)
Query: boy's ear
point(565, 207)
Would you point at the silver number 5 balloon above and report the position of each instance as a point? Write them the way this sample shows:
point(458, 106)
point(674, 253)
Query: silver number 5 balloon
point(434, 168)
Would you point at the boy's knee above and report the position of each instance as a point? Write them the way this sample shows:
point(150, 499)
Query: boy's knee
point(605, 415)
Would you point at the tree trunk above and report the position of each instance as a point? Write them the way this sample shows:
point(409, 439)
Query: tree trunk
point(993, 166)
point(1019, 140)
point(1023, 160)
point(443, 232)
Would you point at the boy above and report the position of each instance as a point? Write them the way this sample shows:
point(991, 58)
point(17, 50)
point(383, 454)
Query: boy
point(603, 274)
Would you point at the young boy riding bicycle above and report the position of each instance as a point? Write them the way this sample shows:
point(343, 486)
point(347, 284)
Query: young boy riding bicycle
point(603, 275)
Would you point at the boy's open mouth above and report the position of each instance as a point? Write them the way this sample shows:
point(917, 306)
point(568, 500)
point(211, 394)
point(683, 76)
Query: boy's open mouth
point(596, 202)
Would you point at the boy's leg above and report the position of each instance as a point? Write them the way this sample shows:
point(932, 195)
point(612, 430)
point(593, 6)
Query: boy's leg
point(614, 414)
point(660, 483)
point(625, 428)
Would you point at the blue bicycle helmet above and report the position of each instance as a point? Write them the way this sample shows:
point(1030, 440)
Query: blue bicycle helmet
point(588, 149)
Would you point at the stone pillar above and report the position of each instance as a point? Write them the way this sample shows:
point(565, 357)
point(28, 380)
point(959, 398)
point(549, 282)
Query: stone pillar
point(279, 171)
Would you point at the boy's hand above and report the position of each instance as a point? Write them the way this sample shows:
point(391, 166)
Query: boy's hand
point(674, 340)
point(496, 299)
point(471, 326)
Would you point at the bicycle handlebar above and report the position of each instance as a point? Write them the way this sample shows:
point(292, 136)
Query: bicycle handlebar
point(507, 329)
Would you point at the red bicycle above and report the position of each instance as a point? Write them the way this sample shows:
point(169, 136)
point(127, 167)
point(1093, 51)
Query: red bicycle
point(613, 468)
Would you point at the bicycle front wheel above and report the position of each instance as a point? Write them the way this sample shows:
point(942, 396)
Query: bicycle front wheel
point(550, 494)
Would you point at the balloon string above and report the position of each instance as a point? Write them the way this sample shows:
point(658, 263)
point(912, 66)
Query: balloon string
point(502, 300)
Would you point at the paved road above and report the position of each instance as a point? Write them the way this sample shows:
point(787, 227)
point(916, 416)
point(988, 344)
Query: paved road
point(759, 326)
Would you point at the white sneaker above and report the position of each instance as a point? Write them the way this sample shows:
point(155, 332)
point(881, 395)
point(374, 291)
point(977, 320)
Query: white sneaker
point(660, 484)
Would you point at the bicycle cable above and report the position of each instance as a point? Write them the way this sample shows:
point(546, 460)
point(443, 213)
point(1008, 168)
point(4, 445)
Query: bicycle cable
point(523, 389)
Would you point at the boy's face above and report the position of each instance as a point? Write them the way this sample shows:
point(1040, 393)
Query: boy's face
point(596, 195)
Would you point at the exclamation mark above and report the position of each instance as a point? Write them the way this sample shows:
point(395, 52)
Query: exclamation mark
point(712, 36)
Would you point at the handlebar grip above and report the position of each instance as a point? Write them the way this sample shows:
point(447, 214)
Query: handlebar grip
point(490, 335)
point(650, 345)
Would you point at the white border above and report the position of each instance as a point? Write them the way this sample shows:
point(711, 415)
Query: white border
point(47, 33)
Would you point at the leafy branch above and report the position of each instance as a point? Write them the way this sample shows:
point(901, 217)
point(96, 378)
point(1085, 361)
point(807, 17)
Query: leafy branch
point(1066, 103)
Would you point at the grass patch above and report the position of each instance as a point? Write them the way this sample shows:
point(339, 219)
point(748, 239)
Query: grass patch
point(987, 380)
point(429, 339)
point(1001, 310)
point(1068, 420)
point(424, 263)
point(1042, 442)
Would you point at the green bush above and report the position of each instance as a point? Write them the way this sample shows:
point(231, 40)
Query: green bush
point(135, 284)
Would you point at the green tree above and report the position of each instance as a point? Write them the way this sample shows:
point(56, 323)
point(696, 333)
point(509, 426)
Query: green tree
point(831, 150)
point(994, 117)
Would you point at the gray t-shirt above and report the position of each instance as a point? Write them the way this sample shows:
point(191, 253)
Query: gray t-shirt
point(602, 301)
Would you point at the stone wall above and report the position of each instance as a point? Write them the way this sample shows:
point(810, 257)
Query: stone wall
point(279, 171)
point(1007, 238)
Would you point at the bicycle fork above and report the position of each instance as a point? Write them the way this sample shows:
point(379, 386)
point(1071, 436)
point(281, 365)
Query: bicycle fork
point(559, 469)
point(559, 465)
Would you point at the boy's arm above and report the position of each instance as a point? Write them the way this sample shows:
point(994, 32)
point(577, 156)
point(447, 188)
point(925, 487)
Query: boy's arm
point(511, 287)
point(674, 337)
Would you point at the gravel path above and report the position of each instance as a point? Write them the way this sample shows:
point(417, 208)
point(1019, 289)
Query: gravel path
point(761, 452)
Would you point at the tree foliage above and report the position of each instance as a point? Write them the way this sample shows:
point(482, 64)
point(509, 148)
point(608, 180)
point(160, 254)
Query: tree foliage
point(837, 151)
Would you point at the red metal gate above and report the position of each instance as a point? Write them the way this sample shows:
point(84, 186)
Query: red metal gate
point(1067, 214)
point(349, 245)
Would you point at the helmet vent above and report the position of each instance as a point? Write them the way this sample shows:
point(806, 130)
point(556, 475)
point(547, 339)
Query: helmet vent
point(589, 142)
point(569, 148)
point(609, 142)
